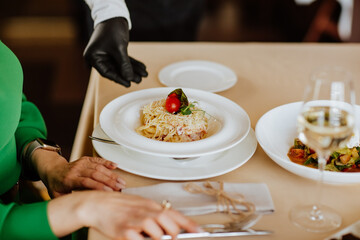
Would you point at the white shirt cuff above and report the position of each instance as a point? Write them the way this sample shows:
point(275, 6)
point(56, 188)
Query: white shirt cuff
point(102, 10)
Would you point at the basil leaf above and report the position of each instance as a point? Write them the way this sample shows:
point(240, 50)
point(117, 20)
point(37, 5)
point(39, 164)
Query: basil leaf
point(185, 111)
point(310, 160)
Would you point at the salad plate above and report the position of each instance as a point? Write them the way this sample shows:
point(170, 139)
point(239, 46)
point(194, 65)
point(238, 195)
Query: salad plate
point(276, 131)
point(166, 168)
point(204, 75)
point(229, 124)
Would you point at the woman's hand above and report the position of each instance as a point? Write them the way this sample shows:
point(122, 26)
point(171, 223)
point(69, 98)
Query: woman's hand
point(116, 215)
point(62, 177)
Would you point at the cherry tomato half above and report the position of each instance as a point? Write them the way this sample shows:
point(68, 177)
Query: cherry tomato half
point(172, 104)
point(173, 95)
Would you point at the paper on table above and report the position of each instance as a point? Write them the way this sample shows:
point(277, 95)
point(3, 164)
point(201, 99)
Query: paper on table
point(199, 204)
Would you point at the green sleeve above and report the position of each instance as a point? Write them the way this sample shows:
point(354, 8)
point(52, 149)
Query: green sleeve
point(31, 126)
point(23, 222)
point(21, 122)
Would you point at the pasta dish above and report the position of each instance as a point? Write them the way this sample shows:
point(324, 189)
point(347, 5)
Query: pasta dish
point(159, 124)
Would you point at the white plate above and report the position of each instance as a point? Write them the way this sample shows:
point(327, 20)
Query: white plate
point(121, 117)
point(204, 75)
point(275, 132)
point(166, 168)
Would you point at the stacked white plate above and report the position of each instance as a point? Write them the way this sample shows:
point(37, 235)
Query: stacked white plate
point(229, 145)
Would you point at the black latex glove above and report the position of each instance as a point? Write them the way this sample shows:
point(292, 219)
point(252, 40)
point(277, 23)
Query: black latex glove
point(107, 52)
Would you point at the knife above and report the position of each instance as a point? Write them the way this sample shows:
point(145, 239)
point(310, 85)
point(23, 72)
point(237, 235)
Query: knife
point(248, 232)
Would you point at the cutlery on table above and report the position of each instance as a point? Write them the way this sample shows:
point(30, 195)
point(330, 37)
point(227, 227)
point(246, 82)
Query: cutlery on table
point(103, 140)
point(231, 229)
point(248, 232)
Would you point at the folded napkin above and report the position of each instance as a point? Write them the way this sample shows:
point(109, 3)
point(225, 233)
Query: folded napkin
point(199, 203)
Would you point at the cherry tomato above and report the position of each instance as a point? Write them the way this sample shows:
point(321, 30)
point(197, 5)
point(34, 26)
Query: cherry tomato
point(173, 95)
point(172, 104)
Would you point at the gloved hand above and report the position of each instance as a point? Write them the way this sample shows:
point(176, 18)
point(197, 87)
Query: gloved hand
point(107, 53)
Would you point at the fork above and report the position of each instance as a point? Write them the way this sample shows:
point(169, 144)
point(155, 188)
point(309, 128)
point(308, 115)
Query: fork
point(103, 140)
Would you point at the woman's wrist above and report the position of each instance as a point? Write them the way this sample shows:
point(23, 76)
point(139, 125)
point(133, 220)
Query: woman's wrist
point(44, 161)
point(30, 165)
point(85, 209)
point(68, 213)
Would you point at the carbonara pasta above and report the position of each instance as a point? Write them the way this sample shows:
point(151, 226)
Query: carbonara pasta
point(161, 125)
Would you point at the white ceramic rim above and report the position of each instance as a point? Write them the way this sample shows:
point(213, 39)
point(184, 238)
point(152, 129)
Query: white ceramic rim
point(166, 168)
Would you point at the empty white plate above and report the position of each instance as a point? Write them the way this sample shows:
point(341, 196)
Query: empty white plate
point(204, 75)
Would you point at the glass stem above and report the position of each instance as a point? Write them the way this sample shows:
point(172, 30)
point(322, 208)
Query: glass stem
point(316, 214)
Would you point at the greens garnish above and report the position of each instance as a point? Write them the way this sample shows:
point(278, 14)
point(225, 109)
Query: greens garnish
point(185, 107)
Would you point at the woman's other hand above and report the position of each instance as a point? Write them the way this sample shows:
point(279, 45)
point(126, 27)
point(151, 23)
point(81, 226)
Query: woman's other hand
point(62, 177)
point(117, 215)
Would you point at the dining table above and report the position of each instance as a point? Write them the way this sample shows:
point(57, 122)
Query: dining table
point(268, 75)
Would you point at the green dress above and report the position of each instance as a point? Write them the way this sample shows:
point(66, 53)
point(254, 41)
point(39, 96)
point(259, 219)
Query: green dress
point(20, 122)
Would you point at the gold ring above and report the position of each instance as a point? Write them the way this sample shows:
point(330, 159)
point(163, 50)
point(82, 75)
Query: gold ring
point(165, 204)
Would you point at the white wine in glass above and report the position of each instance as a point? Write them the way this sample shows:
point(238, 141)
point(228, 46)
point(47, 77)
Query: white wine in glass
point(325, 124)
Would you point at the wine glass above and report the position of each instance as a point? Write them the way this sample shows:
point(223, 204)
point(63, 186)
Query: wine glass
point(325, 123)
